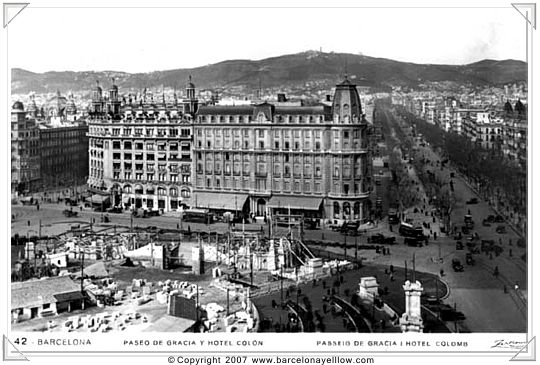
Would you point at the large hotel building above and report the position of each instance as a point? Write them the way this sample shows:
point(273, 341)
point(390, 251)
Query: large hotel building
point(259, 159)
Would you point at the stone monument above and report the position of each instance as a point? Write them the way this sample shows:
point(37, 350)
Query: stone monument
point(411, 320)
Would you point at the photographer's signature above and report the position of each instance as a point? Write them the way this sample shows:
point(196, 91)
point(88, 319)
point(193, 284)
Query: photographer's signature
point(505, 344)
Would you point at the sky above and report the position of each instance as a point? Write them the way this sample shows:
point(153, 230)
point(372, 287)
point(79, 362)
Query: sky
point(142, 40)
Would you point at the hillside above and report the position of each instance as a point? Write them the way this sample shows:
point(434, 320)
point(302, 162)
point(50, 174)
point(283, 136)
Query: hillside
point(288, 70)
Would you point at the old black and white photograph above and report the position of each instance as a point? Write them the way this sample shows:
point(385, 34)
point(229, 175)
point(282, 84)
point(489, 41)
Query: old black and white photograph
point(326, 170)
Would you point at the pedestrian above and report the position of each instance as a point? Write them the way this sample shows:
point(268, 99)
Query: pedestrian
point(28, 223)
point(391, 268)
point(37, 206)
point(496, 271)
point(435, 235)
point(391, 229)
point(469, 211)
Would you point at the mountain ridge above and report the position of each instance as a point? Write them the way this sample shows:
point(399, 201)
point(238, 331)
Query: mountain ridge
point(293, 70)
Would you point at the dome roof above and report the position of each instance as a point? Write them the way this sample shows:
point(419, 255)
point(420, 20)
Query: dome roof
point(18, 106)
point(190, 84)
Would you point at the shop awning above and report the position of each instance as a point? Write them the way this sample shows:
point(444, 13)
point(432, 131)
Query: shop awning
point(98, 199)
point(295, 202)
point(219, 201)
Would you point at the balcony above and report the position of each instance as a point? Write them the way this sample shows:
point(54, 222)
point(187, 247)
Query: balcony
point(261, 174)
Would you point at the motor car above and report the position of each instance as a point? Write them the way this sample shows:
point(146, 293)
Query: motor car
point(457, 266)
point(499, 219)
point(468, 220)
point(376, 238)
point(500, 229)
point(485, 223)
point(69, 213)
point(472, 201)
point(469, 259)
point(459, 245)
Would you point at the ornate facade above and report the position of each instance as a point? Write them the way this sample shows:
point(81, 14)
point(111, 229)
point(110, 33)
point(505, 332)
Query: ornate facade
point(140, 149)
point(268, 159)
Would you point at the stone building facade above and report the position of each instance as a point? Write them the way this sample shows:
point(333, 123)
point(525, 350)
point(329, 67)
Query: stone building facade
point(140, 149)
point(270, 159)
point(25, 156)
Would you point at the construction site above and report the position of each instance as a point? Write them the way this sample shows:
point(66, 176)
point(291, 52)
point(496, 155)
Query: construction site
point(159, 280)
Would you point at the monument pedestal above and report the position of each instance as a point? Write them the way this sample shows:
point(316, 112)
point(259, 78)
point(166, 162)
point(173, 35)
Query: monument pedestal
point(411, 320)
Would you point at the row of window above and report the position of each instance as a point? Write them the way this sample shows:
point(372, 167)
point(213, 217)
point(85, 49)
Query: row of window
point(141, 176)
point(140, 131)
point(152, 157)
point(149, 146)
point(161, 191)
point(185, 169)
point(318, 118)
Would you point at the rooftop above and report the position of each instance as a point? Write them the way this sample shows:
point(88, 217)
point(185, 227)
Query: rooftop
point(35, 293)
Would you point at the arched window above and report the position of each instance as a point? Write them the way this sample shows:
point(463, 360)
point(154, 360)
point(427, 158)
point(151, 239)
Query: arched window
point(161, 191)
point(127, 189)
point(347, 208)
point(356, 210)
point(138, 189)
point(185, 193)
point(173, 192)
point(150, 190)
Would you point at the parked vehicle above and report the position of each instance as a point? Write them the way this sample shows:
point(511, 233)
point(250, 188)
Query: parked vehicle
point(457, 266)
point(198, 216)
point(485, 223)
point(413, 242)
point(499, 219)
point(469, 223)
point(114, 210)
point(459, 245)
point(469, 259)
point(500, 229)
point(350, 228)
point(472, 201)
point(69, 213)
point(393, 217)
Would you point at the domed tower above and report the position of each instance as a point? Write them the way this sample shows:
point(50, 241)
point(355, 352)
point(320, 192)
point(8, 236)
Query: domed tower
point(96, 109)
point(71, 108)
point(190, 103)
point(508, 107)
point(32, 108)
point(519, 107)
point(349, 161)
point(113, 104)
point(346, 107)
